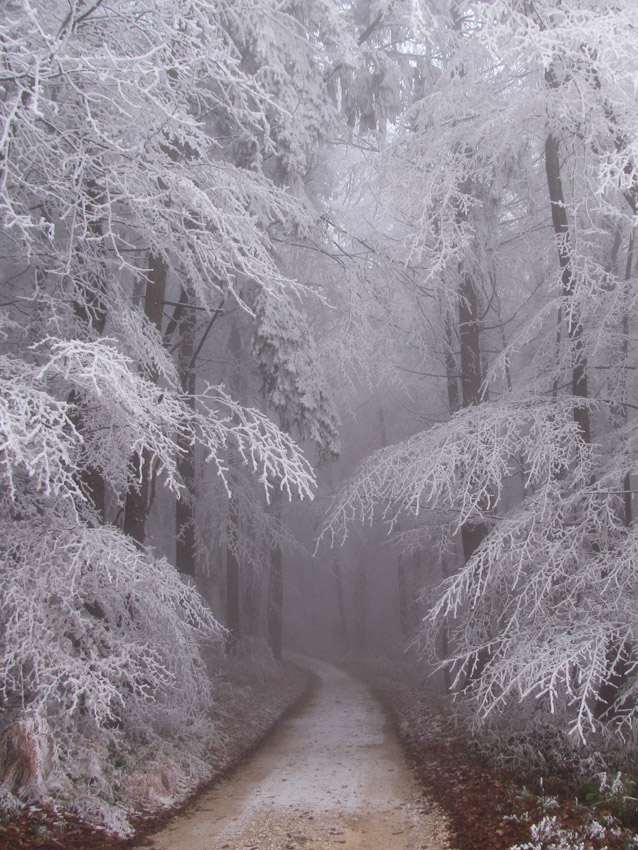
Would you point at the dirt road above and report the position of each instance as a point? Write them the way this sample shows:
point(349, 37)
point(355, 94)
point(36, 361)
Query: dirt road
point(333, 776)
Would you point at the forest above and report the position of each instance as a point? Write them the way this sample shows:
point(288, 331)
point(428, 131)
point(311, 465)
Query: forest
point(317, 333)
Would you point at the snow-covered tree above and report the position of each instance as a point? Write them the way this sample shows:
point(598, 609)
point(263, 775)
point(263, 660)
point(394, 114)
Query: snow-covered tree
point(518, 167)
point(113, 180)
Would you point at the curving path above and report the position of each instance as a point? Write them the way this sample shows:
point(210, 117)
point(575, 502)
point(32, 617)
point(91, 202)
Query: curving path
point(332, 776)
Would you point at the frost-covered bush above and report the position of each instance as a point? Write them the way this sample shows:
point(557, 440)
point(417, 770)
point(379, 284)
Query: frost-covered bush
point(615, 793)
point(100, 660)
point(549, 835)
point(533, 740)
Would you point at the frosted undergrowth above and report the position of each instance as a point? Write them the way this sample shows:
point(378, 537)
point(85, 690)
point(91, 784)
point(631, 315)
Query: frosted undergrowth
point(100, 668)
point(123, 709)
point(549, 835)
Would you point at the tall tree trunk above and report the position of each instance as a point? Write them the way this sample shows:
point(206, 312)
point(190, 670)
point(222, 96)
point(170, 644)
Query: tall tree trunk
point(233, 580)
point(445, 645)
point(472, 533)
point(453, 373)
point(137, 498)
point(609, 704)
point(616, 657)
point(417, 582)
point(404, 617)
point(627, 494)
point(233, 565)
point(90, 309)
point(361, 606)
point(276, 590)
point(184, 323)
point(469, 339)
point(338, 577)
point(251, 598)
point(574, 327)
point(402, 592)
point(451, 367)
point(185, 542)
point(343, 622)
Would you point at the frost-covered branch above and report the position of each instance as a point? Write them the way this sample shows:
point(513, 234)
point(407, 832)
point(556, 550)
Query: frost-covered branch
point(222, 422)
point(463, 465)
point(105, 147)
point(550, 597)
point(124, 413)
point(36, 433)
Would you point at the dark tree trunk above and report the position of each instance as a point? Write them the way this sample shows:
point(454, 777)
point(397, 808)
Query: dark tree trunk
point(402, 592)
point(93, 485)
point(469, 338)
point(185, 540)
point(137, 498)
point(361, 606)
point(610, 704)
point(445, 646)
point(90, 309)
point(609, 691)
point(184, 323)
point(276, 603)
point(574, 327)
point(276, 589)
point(252, 590)
point(345, 637)
point(627, 494)
point(451, 368)
point(233, 581)
point(338, 577)
point(472, 533)
point(404, 617)
point(233, 565)
point(417, 582)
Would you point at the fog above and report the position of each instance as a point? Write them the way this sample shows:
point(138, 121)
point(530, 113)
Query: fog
point(317, 335)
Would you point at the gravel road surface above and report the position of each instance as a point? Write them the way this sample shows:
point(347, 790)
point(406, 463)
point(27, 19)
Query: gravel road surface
point(332, 776)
